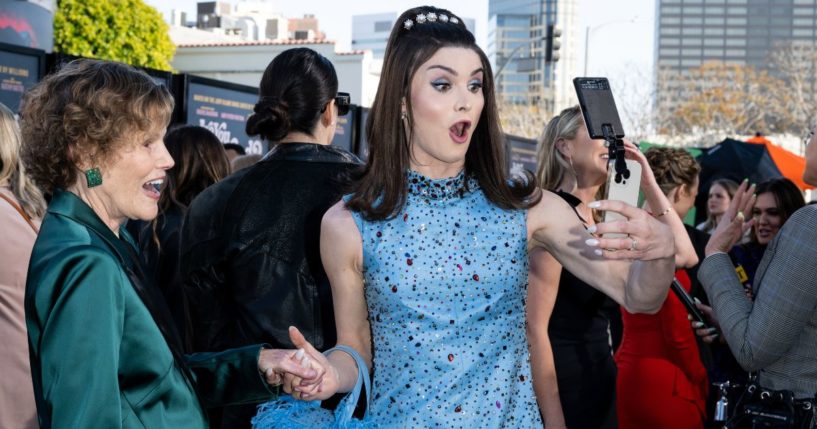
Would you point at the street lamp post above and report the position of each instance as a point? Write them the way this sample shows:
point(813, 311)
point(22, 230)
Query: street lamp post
point(589, 30)
point(514, 52)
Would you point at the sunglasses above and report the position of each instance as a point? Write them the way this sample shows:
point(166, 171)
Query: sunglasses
point(344, 101)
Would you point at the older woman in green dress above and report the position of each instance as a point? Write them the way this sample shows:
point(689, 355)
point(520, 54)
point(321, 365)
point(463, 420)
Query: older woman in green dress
point(104, 352)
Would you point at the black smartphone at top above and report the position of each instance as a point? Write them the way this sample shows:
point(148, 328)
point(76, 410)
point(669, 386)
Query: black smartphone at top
point(598, 106)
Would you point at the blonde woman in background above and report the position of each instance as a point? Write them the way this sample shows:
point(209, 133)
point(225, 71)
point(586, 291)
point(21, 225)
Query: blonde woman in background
point(21, 208)
point(720, 195)
point(574, 374)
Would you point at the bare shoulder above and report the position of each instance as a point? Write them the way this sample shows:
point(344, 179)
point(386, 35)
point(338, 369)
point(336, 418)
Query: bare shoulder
point(340, 238)
point(338, 220)
point(548, 212)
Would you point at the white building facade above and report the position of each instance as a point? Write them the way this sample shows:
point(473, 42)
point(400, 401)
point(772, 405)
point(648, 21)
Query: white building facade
point(244, 62)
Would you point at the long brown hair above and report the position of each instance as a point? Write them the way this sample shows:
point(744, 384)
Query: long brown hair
point(787, 196)
point(380, 189)
point(200, 161)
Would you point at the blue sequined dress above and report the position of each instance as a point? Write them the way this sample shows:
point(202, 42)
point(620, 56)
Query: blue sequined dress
point(445, 283)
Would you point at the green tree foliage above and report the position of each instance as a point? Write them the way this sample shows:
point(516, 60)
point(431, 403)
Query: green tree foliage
point(127, 31)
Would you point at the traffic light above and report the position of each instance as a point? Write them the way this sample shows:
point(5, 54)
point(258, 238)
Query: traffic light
point(553, 44)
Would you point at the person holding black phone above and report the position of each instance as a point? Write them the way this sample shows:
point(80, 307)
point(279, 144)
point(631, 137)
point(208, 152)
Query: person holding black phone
point(428, 256)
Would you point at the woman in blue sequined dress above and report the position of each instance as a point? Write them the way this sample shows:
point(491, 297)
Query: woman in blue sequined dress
point(428, 257)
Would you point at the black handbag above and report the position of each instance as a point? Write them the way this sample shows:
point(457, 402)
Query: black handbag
point(760, 408)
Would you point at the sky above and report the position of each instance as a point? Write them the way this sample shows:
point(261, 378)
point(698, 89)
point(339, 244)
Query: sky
point(621, 32)
point(620, 43)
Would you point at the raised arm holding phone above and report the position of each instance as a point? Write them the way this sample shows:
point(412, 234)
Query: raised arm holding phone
point(439, 236)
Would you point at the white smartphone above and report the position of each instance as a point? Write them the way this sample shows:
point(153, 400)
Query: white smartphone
point(622, 189)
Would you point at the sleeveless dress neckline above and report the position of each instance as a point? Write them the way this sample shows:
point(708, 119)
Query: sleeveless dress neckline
point(440, 189)
point(445, 284)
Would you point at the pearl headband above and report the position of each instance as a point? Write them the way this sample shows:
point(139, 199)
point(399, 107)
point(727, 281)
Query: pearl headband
point(422, 18)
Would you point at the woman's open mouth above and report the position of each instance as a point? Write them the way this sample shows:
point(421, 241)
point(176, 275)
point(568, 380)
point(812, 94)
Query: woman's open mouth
point(153, 188)
point(459, 131)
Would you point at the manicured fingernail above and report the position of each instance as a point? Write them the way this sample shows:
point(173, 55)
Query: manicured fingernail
point(745, 179)
point(697, 324)
point(697, 301)
point(711, 330)
point(689, 317)
point(597, 252)
point(594, 204)
point(591, 229)
point(591, 242)
point(740, 216)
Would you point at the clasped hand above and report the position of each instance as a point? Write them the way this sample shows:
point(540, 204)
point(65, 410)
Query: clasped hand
point(304, 372)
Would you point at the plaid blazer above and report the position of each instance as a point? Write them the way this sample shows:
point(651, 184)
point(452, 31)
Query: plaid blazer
point(776, 334)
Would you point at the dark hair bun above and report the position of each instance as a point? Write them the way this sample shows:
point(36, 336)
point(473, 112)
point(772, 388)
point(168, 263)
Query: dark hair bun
point(270, 120)
point(294, 89)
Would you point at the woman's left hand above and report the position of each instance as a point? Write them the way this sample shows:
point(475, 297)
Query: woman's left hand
point(735, 222)
point(631, 151)
point(647, 238)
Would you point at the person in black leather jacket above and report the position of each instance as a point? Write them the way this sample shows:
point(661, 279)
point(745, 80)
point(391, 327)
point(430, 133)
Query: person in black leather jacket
point(250, 258)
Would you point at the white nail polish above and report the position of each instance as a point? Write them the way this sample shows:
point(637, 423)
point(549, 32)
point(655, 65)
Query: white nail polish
point(594, 204)
point(597, 252)
point(591, 229)
point(591, 242)
point(300, 354)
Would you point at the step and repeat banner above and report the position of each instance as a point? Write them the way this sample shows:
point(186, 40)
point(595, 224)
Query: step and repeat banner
point(222, 108)
point(20, 69)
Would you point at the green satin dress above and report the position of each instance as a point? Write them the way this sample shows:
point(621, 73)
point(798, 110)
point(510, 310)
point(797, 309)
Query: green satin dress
point(98, 359)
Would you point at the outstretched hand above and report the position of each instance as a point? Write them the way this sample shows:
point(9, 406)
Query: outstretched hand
point(733, 224)
point(323, 384)
point(647, 239)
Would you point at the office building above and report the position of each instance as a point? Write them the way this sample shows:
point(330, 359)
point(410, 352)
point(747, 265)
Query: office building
point(742, 32)
point(738, 32)
point(518, 50)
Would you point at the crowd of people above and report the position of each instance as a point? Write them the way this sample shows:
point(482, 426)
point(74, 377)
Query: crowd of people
point(158, 279)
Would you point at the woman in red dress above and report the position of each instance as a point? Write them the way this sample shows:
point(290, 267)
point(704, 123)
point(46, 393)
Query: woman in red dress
point(661, 380)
